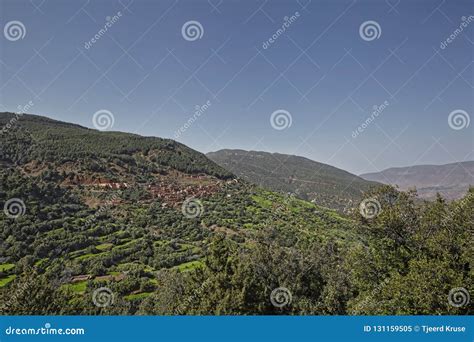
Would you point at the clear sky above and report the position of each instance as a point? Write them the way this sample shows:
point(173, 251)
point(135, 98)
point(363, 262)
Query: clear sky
point(321, 70)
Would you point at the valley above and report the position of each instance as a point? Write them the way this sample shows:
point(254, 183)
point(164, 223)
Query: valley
point(154, 223)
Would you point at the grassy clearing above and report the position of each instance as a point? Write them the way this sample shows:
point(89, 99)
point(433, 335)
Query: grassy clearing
point(89, 256)
point(136, 296)
point(79, 287)
point(188, 266)
point(263, 202)
point(5, 281)
point(77, 253)
point(126, 243)
point(104, 246)
point(41, 261)
point(6, 267)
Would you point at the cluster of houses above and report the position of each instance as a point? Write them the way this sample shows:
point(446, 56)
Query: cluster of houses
point(175, 193)
point(110, 185)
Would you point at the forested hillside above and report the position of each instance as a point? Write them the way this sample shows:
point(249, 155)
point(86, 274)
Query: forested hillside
point(323, 184)
point(114, 223)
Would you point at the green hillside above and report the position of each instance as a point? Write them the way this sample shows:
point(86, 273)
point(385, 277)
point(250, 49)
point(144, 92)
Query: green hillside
point(321, 183)
point(48, 141)
point(114, 223)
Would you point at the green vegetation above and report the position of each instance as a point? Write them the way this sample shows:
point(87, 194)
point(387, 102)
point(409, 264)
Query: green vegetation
point(6, 280)
point(60, 143)
point(79, 287)
point(138, 296)
point(104, 246)
point(188, 266)
point(76, 236)
point(309, 180)
point(6, 267)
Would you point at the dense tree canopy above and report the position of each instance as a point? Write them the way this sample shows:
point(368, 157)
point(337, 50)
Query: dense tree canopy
point(245, 250)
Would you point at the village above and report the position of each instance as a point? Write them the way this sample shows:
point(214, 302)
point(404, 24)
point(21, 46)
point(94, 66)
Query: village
point(173, 193)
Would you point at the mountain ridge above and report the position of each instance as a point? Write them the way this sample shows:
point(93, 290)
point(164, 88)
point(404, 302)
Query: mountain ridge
point(55, 136)
point(308, 179)
point(164, 230)
point(415, 166)
point(451, 180)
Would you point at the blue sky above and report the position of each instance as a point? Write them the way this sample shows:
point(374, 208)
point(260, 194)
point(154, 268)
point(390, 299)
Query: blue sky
point(320, 71)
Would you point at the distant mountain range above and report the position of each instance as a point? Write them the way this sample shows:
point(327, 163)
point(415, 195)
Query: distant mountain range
point(323, 184)
point(451, 180)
